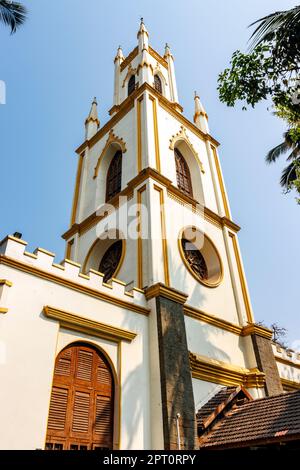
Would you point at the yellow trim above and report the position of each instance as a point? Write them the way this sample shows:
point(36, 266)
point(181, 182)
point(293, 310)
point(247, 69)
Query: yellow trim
point(120, 262)
point(163, 233)
point(77, 188)
point(182, 136)
point(129, 58)
point(158, 57)
point(5, 282)
point(69, 261)
point(42, 250)
point(12, 238)
point(202, 281)
point(122, 109)
point(257, 330)
point(242, 278)
point(221, 182)
point(172, 191)
point(290, 385)
point(3, 310)
point(111, 139)
point(139, 133)
point(72, 285)
point(156, 137)
point(219, 372)
point(140, 240)
point(69, 248)
point(85, 325)
point(161, 290)
point(212, 320)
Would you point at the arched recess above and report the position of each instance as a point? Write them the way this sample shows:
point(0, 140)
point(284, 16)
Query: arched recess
point(82, 405)
point(100, 247)
point(182, 143)
point(157, 72)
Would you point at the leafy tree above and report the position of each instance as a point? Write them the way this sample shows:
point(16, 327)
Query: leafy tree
point(12, 14)
point(270, 70)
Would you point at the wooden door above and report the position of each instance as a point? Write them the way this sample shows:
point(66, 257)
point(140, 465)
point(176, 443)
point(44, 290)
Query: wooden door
point(81, 406)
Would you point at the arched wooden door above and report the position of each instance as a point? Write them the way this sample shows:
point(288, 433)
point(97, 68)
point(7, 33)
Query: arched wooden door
point(81, 406)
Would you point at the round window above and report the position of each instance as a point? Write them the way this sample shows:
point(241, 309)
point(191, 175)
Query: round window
point(200, 256)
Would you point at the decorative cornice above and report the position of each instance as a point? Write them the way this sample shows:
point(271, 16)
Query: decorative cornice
point(287, 362)
point(161, 290)
point(212, 370)
point(111, 139)
point(72, 285)
point(254, 329)
point(158, 57)
point(212, 320)
point(182, 135)
point(172, 190)
point(85, 325)
point(290, 385)
point(129, 58)
point(128, 104)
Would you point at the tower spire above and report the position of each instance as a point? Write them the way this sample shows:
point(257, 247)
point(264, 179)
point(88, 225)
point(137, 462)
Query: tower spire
point(92, 122)
point(143, 36)
point(200, 115)
point(171, 72)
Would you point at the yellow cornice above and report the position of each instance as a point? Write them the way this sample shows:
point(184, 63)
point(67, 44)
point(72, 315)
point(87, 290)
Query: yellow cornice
point(85, 325)
point(161, 290)
point(11, 237)
point(158, 57)
point(212, 320)
point(219, 372)
point(128, 104)
point(129, 58)
point(3, 310)
point(290, 385)
point(254, 329)
point(5, 282)
point(146, 173)
point(72, 285)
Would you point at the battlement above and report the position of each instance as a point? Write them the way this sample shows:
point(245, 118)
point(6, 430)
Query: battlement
point(13, 253)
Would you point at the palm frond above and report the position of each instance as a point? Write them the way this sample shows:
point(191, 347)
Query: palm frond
point(277, 151)
point(268, 25)
point(288, 175)
point(295, 153)
point(12, 14)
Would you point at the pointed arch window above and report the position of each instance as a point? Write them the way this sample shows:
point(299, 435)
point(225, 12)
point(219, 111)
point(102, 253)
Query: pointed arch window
point(111, 260)
point(184, 181)
point(131, 85)
point(114, 176)
point(81, 406)
point(157, 84)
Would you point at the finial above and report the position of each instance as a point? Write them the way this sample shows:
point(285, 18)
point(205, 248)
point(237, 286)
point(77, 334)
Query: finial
point(95, 100)
point(142, 19)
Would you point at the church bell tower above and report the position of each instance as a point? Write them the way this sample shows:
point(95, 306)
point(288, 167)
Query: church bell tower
point(150, 211)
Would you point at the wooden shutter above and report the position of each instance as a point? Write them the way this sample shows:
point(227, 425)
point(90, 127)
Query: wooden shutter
point(81, 406)
point(157, 84)
point(131, 85)
point(184, 181)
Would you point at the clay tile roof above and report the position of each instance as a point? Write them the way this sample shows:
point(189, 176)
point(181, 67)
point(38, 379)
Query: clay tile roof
point(261, 421)
point(210, 407)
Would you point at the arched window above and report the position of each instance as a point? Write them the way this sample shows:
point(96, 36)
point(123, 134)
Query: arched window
point(114, 176)
point(111, 260)
point(184, 181)
point(157, 84)
point(81, 406)
point(131, 85)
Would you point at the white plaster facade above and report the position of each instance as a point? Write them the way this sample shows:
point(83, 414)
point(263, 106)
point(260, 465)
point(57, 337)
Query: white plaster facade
point(146, 127)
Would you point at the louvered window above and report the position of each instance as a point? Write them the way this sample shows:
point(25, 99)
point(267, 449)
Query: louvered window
point(131, 85)
point(184, 181)
point(157, 84)
point(81, 406)
point(114, 176)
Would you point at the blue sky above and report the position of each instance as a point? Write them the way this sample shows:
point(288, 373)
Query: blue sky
point(63, 57)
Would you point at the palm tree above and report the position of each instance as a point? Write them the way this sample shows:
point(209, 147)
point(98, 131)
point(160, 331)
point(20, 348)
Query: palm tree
point(289, 174)
point(12, 14)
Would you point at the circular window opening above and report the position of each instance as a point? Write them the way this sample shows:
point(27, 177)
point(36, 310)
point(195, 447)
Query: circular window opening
point(111, 260)
point(200, 257)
